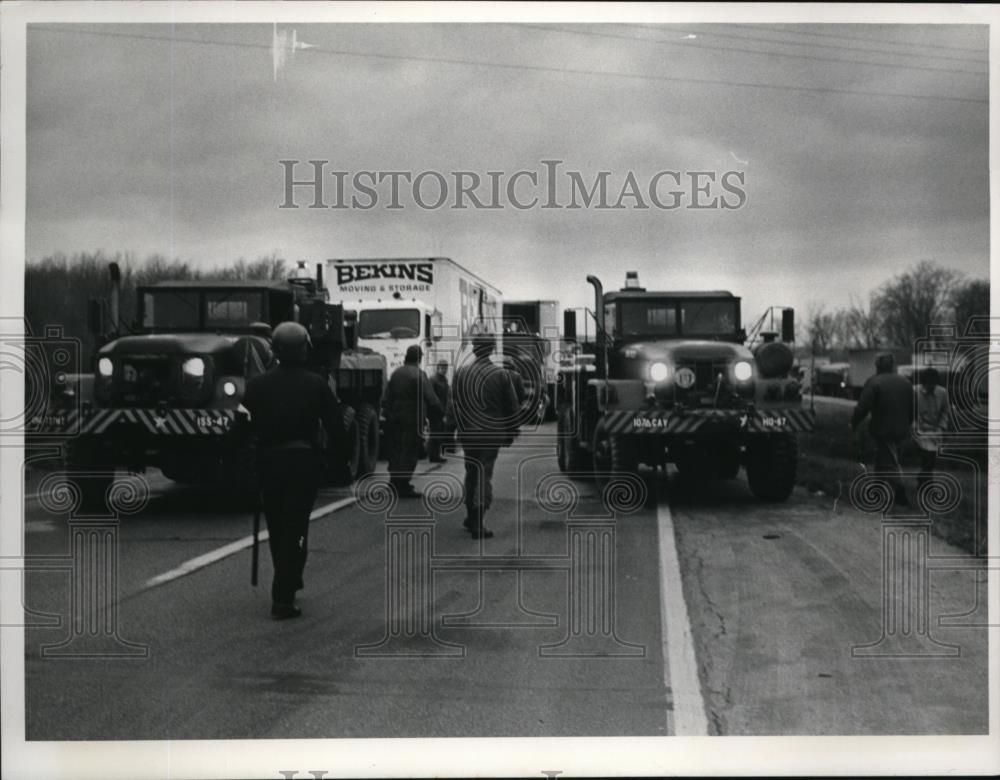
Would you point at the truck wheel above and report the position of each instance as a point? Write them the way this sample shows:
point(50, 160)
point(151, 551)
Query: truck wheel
point(770, 465)
point(612, 455)
point(571, 458)
point(368, 439)
point(728, 463)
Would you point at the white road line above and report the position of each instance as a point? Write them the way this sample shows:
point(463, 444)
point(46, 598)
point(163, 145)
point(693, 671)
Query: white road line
point(234, 547)
point(241, 544)
point(680, 664)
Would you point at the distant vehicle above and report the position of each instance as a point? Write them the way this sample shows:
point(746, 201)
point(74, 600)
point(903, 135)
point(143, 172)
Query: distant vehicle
point(832, 379)
point(531, 330)
point(671, 379)
point(845, 379)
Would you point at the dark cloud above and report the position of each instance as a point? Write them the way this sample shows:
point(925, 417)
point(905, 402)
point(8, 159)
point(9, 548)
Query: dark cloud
point(148, 146)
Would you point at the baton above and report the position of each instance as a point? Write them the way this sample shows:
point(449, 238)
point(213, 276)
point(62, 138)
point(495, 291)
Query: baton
point(256, 542)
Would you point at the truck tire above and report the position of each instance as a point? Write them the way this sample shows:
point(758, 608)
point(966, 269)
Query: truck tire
point(728, 463)
point(368, 440)
point(770, 465)
point(571, 457)
point(612, 455)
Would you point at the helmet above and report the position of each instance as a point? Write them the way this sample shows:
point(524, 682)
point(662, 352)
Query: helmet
point(291, 342)
point(483, 344)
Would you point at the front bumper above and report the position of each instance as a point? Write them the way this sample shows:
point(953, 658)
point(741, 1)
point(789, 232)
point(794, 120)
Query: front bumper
point(146, 422)
point(685, 421)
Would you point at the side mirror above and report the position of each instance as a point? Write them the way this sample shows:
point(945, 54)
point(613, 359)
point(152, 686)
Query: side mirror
point(788, 325)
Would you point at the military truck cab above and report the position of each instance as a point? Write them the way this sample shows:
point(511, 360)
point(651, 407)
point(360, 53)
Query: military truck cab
point(673, 378)
point(167, 394)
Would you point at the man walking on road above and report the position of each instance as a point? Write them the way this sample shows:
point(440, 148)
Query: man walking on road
point(888, 398)
point(931, 422)
point(409, 400)
point(485, 410)
point(439, 430)
point(287, 405)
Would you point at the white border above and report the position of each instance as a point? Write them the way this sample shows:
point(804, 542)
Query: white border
point(453, 757)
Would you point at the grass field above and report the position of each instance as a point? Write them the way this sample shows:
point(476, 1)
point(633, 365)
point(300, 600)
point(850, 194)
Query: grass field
point(831, 457)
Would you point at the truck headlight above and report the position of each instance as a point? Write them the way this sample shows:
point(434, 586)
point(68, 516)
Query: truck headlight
point(229, 388)
point(659, 372)
point(742, 371)
point(194, 367)
point(105, 367)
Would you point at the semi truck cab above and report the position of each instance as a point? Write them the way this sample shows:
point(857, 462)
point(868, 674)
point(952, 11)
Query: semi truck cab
point(390, 327)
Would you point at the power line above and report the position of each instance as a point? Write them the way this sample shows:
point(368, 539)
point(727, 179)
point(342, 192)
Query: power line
point(690, 45)
point(523, 66)
point(942, 46)
point(814, 44)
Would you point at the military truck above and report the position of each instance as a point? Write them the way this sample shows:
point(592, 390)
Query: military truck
point(672, 379)
point(167, 392)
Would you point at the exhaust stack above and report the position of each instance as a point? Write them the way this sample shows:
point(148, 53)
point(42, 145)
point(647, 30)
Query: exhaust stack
point(114, 301)
point(602, 357)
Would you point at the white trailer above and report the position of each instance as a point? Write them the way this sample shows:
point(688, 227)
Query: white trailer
point(396, 302)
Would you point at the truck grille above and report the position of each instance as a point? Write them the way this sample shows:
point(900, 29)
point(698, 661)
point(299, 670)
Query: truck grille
point(703, 392)
point(145, 381)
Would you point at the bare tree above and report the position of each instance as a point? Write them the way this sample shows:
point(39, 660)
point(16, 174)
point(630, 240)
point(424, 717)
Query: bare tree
point(910, 302)
point(970, 300)
point(863, 327)
point(823, 329)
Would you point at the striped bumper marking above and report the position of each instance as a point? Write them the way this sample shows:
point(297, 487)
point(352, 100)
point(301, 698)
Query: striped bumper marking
point(689, 421)
point(155, 422)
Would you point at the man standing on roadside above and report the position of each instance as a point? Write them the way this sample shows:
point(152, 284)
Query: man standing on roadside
point(409, 400)
point(287, 405)
point(485, 408)
point(931, 422)
point(888, 398)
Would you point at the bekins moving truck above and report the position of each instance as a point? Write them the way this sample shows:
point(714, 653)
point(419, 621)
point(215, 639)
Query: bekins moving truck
point(394, 302)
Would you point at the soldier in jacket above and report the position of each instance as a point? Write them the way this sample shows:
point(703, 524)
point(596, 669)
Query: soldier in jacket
point(485, 408)
point(439, 432)
point(888, 398)
point(286, 406)
point(409, 399)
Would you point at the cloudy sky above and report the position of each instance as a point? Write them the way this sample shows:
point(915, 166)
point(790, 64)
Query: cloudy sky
point(166, 139)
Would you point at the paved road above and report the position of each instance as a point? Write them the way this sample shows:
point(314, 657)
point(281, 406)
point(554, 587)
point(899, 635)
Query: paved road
point(775, 596)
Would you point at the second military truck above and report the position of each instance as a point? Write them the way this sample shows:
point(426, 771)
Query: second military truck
point(672, 379)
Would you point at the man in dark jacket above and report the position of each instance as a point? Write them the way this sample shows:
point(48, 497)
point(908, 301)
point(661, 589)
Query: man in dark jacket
point(888, 398)
point(287, 405)
point(485, 408)
point(439, 433)
point(409, 400)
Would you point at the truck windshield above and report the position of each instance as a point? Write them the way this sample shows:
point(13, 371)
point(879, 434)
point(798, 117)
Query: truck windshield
point(654, 318)
point(201, 309)
point(712, 318)
point(389, 324)
point(649, 318)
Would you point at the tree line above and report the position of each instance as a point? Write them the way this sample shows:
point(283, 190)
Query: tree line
point(899, 311)
point(57, 288)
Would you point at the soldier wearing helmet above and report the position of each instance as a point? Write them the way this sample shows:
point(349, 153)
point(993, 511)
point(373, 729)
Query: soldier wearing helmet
point(287, 405)
point(485, 409)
